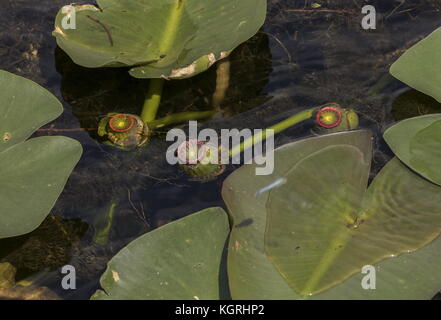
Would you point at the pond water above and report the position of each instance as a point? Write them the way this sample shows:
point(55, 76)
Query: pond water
point(299, 59)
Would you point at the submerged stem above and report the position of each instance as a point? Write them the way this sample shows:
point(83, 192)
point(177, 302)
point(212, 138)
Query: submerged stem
point(104, 225)
point(152, 101)
point(222, 82)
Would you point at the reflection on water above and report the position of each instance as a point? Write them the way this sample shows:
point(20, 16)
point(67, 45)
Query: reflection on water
point(299, 59)
point(271, 186)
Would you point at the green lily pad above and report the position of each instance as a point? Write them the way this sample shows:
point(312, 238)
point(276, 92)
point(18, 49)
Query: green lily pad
point(251, 274)
point(33, 172)
point(179, 261)
point(420, 66)
point(310, 236)
point(417, 142)
point(158, 38)
point(321, 232)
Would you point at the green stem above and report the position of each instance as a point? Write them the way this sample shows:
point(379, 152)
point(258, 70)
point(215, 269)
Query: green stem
point(152, 101)
point(179, 118)
point(168, 39)
point(278, 127)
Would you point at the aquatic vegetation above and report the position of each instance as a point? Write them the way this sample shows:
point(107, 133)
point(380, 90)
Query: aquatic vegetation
point(158, 39)
point(309, 229)
point(200, 160)
point(124, 130)
point(412, 103)
point(203, 161)
point(310, 232)
point(417, 141)
point(33, 172)
point(419, 66)
point(103, 225)
point(188, 269)
point(47, 248)
point(9, 289)
point(333, 118)
point(305, 231)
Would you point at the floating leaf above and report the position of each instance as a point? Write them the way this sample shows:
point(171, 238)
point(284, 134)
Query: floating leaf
point(320, 232)
point(417, 142)
point(181, 260)
point(24, 107)
point(251, 275)
point(158, 38)
point(420, 66)
point(319, 229)
point(32, 173)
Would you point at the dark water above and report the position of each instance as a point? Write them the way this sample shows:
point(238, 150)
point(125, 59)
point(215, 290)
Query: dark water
point(298, 60)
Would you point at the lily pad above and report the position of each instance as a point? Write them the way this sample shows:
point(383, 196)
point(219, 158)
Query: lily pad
point(310, 236)
point(417, 142)
point(420, 66)
point(251, 274)
point(182, 260)
point(158, 38)
point(33, 172)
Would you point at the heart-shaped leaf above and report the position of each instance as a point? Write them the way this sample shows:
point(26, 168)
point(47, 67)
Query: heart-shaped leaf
point(182, 260)
point(417, 142)
point(251, 274)
point(158, 38)
point(317, 230)
point(32, 173)
point(320, 231)
point(420, 66)
point(24, 107)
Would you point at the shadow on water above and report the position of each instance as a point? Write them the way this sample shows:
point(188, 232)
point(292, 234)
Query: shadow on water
point(298, 60)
